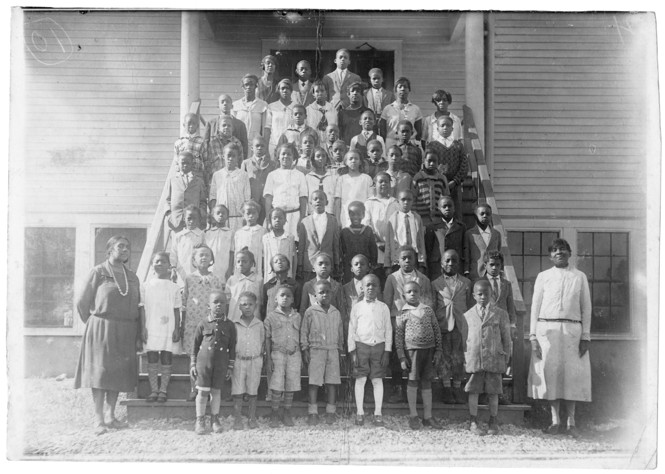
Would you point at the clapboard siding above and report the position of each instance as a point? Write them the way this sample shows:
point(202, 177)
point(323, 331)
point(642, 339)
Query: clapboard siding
point(566, 111)
point(102, 123)
point(429, 59)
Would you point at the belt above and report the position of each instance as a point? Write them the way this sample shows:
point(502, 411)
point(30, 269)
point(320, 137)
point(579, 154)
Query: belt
point(248, 357)
point(559, 320)
point(286, 352)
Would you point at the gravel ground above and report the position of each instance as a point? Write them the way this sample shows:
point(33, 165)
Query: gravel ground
point(60, 427)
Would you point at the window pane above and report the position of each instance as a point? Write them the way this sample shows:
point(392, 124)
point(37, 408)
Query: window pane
point(515, 243)
point(547, 238)
point(527, 292)
point(601, 243)
point(600, 319)
point(601, 268)
point(619, 244)
point(532, 243)
point(620, 269)
point(584, 243)
point(620, 319)
point(517, 262)
point(49, 276)
point(601, 294)
point(619, 294)
point(585, 265)
point(531, 267)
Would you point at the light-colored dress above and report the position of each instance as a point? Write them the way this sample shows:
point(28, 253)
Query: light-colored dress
point(560, 294)
point(231, 189)
point(395, 112)
point(238, 284)
point(220, 241)
point(285, 244)
point(315, 113)
point(325, 183)
point(252, 238)
point(160, 298)
point(377, 213)
point(352, 188)
point(197, 291)
point(278, 119)
point(182, 248)
point(253, 115)
point(286, 188)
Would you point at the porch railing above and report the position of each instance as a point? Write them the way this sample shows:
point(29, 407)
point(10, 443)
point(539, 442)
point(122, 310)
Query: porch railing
point(485, 193)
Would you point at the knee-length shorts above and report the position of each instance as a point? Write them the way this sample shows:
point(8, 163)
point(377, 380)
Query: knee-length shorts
point(246, 376)
point(286, 373)
point(324, 367)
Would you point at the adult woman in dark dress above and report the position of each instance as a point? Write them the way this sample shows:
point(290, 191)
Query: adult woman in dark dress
point(109, 305)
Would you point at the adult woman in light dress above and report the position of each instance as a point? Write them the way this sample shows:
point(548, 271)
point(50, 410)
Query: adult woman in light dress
point(108, 304)
point(560, 335)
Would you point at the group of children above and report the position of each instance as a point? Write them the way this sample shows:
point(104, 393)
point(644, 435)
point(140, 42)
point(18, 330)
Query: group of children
point(343, 249)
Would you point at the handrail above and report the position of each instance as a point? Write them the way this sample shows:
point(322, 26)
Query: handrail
point(478, 167)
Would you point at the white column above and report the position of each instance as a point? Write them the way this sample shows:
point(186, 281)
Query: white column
point(189, 61)
point(474, 48)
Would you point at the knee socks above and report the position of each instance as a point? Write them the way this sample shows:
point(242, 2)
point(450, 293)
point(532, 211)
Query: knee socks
point(215, 401)
point(377, 384)
point(252, 407)
point(411, 396)
point(360, 394)
point(275, 399)
point(554, 405)
point(570, 408)
point(427, 403)
point(166, 378)
point(201, 401)
point(288, 400)
point(494, 403)
point(152, 376)
point(473, 404)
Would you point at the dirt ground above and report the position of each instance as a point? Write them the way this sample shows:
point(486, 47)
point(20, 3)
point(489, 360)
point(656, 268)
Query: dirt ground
point(60, 427)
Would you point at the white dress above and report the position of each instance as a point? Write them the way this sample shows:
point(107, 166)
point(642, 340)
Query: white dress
point(352, 188)
point(160, 298)
point(558, 294)
point(220, 241)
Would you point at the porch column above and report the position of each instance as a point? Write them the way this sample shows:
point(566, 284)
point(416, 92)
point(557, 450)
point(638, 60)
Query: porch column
point(474, 49)
point(189, 61)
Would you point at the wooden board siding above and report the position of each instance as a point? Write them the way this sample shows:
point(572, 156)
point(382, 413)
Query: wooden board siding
point(101, 123)
point(429, 59)
point(567, 105)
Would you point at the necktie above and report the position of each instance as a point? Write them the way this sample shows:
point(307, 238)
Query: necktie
point(495, 288)
point(409, 240)
point(482, 313)
point(323, 123)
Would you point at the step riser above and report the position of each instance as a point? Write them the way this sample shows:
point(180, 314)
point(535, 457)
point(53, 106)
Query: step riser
point(456, 414)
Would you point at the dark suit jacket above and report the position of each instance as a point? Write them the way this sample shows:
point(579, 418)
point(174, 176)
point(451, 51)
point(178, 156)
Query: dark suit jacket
point(453, 240)
point(337, 299)
point(504, 299)
point(332, 84)
point(239, 131)
point(310, 244)
point(296, 94)
point(180, 196)
point(387, 97)
point(475, 250)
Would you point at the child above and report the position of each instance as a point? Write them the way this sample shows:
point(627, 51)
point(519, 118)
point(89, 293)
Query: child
point(302, 93)
point(192, 143)
point(317, 233)
point(244, 279)
point(185, 241)
point(279, 116)
point(442, 100)
point(230, 187)
point(322, 268)
point(198, 287)
point(370, 341)
point(321, 178)
point(348, 118)
point(220, 240)
point(446, 233)
point(418, 346)
point(412, 155)
point(375, 162)
point(338, 151)
point(376, 97)
point(398, 111)
point(283, 359)
point(281, 267)
point(378, 209)
point(212, 360)
point(352, 291)
point(286, 188)
point(250, 110)
point(367, 134)
point(479, 240)
point(451, 297)
point(321, 115)
point(487, 349)
point(298, 127)
point(267, 89)
point(454, 163)
point(306, 144)
point(393, 296)
point(399, 180)
point(338, 81)
point(332, 135)
point(258, 167)
point(353, 186)
point(322, 342)
point(428, 186)
point(405, 228)
point(278, 242)
point(251, 235)
point(217, 144)
point(162, 303)
point(184, 189)
point(250, 348)
point(357, 238)
point(218, 135)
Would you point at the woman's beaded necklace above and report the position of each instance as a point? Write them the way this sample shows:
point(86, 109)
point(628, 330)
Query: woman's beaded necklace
point(116, 281)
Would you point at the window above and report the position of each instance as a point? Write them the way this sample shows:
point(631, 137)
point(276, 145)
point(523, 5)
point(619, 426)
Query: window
point(136, 238)
point(530, 257)
point(49, 276)
point(603, 257)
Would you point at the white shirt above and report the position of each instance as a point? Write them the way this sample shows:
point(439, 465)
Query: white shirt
point(400, 232)
point(320, 224)
point(369, 323)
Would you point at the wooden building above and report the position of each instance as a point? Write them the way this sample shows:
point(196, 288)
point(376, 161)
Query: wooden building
point(561, 103)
